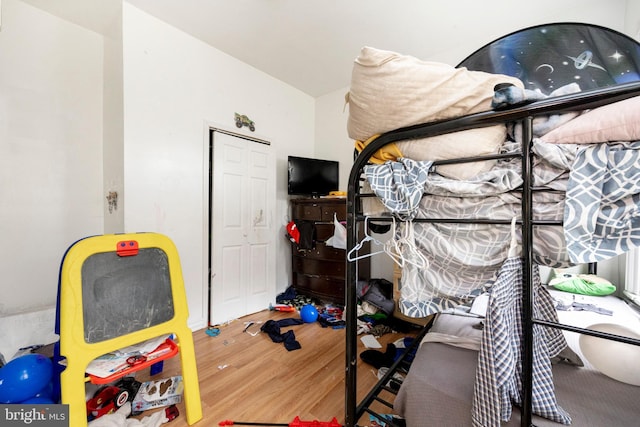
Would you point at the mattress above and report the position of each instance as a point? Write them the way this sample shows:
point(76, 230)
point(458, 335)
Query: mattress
point(438, 389)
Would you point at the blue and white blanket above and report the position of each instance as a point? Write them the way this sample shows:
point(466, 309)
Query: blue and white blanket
point(601, 214)
point(463, 259)
point(602, 209)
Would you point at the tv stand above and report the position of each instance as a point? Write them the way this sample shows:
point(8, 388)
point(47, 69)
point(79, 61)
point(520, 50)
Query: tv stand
point(320, 272)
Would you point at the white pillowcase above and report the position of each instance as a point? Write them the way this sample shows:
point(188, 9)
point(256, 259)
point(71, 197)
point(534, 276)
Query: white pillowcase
point(467, 143)
point(390, 91)
point(619, 121)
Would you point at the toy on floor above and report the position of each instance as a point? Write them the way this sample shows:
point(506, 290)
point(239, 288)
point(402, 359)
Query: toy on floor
point(212, 331)
point(295, 423)
point(308, 313)
point(106, 400)
point(121, 418)
point(26, 377)
point(282, 307)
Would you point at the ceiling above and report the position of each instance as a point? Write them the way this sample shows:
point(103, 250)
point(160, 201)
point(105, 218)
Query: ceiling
point(311, 44)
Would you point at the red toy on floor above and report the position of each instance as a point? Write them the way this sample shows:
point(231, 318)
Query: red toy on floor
point(295, 423)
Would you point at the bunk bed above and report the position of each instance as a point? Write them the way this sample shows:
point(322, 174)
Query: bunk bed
point(494, 159)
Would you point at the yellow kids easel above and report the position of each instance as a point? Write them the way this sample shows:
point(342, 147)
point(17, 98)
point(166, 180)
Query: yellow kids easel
point(115, 291)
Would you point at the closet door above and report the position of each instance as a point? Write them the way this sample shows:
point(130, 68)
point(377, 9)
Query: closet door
point(242, 228)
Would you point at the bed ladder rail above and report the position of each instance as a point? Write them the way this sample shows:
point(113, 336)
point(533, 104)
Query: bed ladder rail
point(388, 383)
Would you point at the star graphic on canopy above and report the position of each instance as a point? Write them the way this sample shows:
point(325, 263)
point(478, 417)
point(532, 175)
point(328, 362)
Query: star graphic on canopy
point(617, 55)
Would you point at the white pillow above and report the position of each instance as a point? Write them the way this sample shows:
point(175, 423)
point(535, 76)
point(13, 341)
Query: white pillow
point(619, 121)
point(468, 143)
point(389, 91)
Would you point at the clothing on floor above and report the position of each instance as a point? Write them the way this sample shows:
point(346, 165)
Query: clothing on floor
point(120, 419)
point(272, 328)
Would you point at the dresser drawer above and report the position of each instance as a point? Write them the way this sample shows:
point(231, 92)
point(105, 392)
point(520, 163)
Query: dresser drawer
point(307, 211)
point(319, 211)
point(339, 209)
point(321, 251)
point(319, 267)
point(322, 287)
point(324, 231)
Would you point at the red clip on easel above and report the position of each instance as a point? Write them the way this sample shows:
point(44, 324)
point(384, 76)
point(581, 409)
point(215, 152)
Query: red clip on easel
point(295, 423)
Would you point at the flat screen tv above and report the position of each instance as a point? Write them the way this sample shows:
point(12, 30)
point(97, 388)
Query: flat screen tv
point(312, 177)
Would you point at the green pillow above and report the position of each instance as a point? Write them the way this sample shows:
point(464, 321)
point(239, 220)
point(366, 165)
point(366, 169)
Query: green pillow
point(584, 284)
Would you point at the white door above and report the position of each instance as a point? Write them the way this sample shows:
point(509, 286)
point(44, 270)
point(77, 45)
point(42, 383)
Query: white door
point(243, 231)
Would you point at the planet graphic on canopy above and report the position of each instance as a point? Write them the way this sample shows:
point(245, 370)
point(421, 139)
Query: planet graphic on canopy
point(584, 60)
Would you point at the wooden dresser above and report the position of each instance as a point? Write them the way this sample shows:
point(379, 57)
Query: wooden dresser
point(320, 271)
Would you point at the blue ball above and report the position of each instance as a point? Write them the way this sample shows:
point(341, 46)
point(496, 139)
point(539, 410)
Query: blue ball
point(23, 377)
point(308, 313)
point(37, 401)
point(46, 392)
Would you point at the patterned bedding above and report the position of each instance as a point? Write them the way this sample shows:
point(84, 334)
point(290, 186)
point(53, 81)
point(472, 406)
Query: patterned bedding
point(464, 258)
point(596, 193)
point(601, 216)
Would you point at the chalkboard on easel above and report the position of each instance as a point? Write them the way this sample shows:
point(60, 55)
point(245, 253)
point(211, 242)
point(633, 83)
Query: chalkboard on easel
point(124, 294)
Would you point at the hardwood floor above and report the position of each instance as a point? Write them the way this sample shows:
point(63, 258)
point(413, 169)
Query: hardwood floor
point(247, 378)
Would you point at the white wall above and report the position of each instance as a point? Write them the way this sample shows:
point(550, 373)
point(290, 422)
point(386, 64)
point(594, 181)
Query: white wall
point(51, 159)
point(173, 85)
point(332, 142)
point(632, 19)
point(331, 139)
point(113, 129)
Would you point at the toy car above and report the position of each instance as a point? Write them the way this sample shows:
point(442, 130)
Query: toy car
point(242, 120)
point(106, 401)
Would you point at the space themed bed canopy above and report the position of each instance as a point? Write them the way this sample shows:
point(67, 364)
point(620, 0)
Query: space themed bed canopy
point(547, 57)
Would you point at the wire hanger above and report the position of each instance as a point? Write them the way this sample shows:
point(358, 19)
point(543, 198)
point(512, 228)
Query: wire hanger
point(408, 242)
point(392, 246)
point(352, 254)
point(403, 249)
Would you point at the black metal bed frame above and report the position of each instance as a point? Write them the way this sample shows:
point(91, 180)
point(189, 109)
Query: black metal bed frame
point(355, 219)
